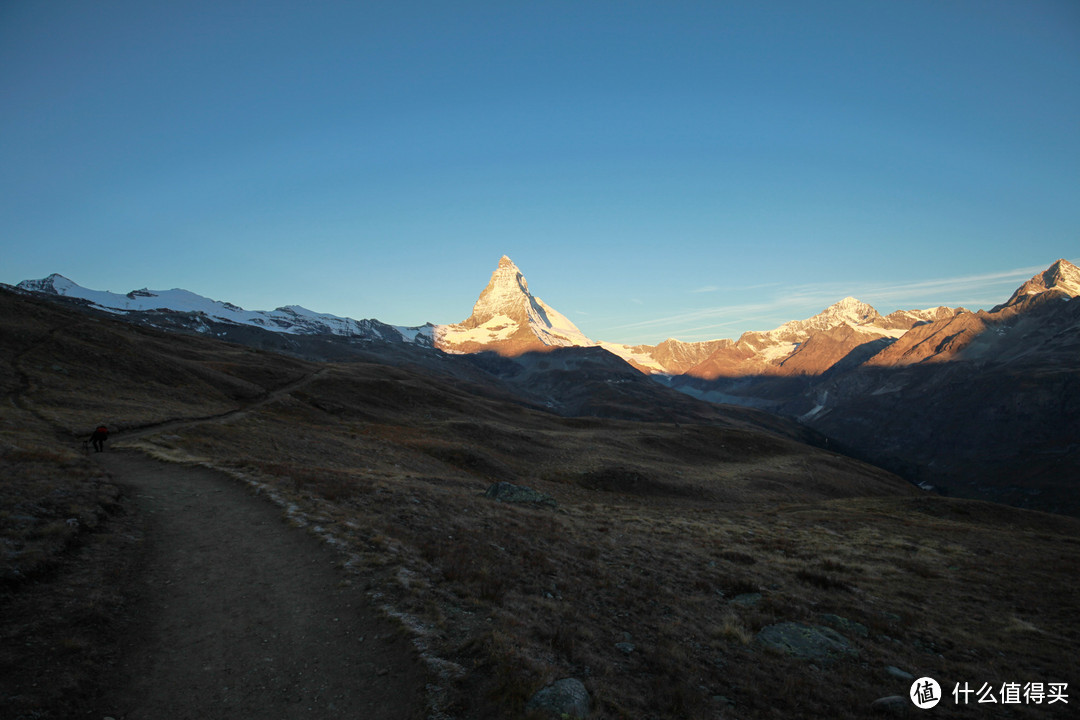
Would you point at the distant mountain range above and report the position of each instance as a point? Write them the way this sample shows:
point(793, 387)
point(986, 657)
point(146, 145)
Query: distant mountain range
point(982, 404)
point(200, 312)
point(509, 320)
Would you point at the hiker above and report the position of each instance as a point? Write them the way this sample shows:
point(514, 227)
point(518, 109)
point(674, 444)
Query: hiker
point(98, 438)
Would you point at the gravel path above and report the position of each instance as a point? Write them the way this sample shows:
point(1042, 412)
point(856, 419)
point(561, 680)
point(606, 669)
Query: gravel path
point(242, 616)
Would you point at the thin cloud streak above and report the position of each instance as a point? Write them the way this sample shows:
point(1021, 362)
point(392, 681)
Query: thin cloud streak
point(739, 312)
point(968, 283)
point(718, 288)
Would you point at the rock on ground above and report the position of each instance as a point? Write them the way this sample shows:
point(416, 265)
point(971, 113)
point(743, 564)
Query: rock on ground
point(508, 492)
point(809, 642)
point(563, 698)
point(898, 673)
point(844, 625)
point(891, 705)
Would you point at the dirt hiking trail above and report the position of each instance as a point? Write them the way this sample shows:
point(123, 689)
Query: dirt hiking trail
point(240, 615)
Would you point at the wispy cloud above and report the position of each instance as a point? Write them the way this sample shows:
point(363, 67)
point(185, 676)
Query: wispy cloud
point(728, 288)
point(714, 316)
point(978, 285)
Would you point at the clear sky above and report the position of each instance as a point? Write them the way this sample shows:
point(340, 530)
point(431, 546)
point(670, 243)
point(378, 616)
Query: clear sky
point(656, 169)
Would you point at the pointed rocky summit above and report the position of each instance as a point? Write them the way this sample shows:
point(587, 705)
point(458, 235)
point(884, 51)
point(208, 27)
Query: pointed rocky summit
point(1062, 277)
point(509, 320)
point(506, 295)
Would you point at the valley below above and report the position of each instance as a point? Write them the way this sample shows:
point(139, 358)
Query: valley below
point(679, 559)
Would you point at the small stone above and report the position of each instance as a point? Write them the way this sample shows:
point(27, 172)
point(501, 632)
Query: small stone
point(563, 698)
point(898, 673)
point(746, 599)
point(625, 647)
point(892, 704)
point(842, 623)
point(510, 493)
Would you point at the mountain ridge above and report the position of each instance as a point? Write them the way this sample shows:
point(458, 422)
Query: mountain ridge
point(290, 319)
point(975, 403)
point(509, 320)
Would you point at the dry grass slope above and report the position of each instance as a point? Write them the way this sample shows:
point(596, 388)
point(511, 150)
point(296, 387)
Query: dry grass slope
point(671, 547)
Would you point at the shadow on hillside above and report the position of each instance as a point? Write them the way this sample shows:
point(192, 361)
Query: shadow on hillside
point(995, 432)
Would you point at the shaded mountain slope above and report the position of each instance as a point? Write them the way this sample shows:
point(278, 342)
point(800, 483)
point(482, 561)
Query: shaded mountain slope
point(976, 404)
point(990, 412)
point(568, 381)
point(863, 379)
point(78, 371)
point(670, 548)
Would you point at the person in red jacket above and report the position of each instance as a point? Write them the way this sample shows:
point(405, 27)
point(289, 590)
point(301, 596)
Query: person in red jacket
point(98, 438)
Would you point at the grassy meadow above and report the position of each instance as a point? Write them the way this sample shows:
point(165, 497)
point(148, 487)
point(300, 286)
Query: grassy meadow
point(670, 547)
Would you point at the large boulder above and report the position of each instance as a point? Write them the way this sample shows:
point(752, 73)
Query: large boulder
point(565, 698)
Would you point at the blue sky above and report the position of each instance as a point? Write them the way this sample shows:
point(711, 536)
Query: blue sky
point(656, 169)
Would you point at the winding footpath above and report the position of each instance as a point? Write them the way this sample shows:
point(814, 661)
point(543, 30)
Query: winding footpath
point(242, 616)
point(237, 614)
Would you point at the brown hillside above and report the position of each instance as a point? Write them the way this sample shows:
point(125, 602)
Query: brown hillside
point(939, 341)
point(670, 548)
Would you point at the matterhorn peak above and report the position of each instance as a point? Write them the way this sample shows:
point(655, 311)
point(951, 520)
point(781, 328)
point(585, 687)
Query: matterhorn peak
point(507, 318)
point(506, 294)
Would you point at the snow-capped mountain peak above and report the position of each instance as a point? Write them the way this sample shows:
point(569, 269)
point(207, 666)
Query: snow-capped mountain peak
point(1066, 276)
point(849, 311)
point(509, 319)
point(507, 294)
point(1062, 277)
point(55, 284)
point(291, 319)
